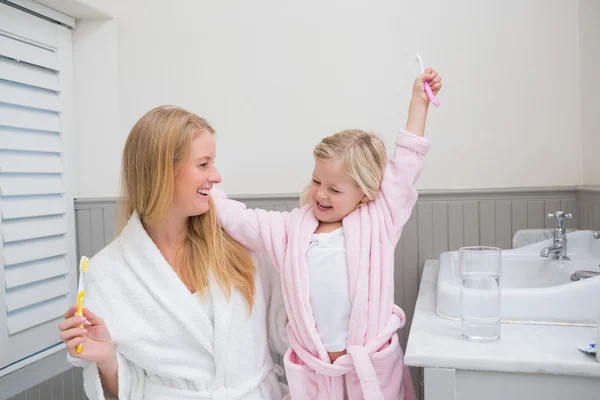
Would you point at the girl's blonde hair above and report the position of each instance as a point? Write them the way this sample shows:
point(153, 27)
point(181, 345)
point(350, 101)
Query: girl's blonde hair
point(363, 156)
point(155, 147)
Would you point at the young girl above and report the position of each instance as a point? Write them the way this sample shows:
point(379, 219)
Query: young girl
point(335, 257)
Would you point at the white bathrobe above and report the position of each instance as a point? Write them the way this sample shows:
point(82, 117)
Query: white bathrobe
point(167, 347)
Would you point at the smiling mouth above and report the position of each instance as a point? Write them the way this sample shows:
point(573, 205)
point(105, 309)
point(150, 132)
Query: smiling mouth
point(323, 206)
point(203, 192)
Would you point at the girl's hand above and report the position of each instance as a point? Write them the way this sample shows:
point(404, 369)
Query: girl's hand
point(97, 343)
point(435, 82)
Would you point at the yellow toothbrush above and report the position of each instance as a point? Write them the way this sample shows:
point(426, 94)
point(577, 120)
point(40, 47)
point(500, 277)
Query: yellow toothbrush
point(83, 269)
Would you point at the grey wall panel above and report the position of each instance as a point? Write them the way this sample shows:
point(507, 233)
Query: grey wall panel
point(503, 216)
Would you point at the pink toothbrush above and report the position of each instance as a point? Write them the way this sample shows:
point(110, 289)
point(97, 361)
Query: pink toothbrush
point(432, 98)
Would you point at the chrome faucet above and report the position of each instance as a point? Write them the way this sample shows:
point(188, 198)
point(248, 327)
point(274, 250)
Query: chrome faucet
point(558, 251)
point(582, 273)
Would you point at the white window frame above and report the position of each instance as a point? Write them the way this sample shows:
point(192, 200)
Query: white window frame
point(36, 28)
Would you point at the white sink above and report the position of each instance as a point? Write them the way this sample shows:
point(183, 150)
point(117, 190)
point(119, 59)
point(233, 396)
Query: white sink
point(535, 289)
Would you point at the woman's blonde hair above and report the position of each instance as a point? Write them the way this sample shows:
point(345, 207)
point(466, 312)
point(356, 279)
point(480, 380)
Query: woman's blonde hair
point(155, 147)
point(363, 156)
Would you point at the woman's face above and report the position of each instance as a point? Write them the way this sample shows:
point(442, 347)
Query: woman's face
point(195, 177)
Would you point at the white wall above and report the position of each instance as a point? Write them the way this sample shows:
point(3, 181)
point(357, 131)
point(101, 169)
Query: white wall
point(273, 77)
point(589, 31)
point(99, 134)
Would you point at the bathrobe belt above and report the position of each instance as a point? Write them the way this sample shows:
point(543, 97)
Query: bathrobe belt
point(218, 392)
point(359, 358)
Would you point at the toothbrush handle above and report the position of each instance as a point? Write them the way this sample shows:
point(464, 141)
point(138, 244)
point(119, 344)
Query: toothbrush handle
point(79, 347)
point(432, 98)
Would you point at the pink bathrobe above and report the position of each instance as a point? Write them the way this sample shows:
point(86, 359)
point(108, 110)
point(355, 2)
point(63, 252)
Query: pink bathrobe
point(374, 365)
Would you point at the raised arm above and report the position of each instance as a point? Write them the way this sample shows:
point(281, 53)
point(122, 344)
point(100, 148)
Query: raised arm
point(397, 193)
point(259, 230)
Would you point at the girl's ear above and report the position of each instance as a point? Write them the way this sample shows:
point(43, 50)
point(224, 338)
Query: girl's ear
point(363, 201)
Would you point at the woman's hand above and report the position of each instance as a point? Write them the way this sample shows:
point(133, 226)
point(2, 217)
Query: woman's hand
point(97, 343)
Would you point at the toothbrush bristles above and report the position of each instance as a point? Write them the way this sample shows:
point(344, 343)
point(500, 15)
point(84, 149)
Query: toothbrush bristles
point(83, 264)
point(420, 60)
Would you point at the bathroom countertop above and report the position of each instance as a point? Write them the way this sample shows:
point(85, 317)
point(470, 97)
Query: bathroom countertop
point(435, 342)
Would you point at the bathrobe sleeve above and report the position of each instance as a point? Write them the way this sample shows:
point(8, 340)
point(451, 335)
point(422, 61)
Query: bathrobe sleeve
point(259, 230)
point(398, 195)
point(131, 381)
point(131, 377)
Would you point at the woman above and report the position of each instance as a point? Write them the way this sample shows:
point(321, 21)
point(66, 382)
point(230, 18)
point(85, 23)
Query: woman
point(183, 302)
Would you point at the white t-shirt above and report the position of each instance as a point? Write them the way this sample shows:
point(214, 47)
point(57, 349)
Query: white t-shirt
point(329, 288)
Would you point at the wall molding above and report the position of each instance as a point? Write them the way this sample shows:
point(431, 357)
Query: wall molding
point(589, 193)
point(524, 193)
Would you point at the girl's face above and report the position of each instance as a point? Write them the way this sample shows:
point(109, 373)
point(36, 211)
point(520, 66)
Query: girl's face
point(332, 193)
